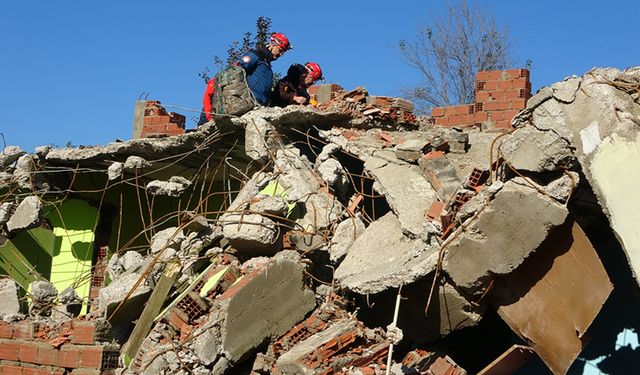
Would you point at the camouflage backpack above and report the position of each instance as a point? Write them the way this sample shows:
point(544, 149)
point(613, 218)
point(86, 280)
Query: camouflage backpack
point(231, 95)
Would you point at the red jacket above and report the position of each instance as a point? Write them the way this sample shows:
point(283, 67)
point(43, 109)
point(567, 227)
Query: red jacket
point(206, 99)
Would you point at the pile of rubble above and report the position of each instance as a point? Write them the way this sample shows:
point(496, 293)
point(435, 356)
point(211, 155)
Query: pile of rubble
point(352, 238)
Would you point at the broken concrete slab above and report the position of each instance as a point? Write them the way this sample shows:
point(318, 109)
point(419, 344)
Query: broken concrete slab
point(9, 155)
point(6, 210)
point(10, 305)
point(27, 215)
point(456, 312)
point(532, 150)
point(332, 172)
point(168, 241)
point(276, 206)
point(501, 236)
point(554, 296)
point(345, 234)
point(408, 193)
point(252, 233)
point(123, 299)
point(411, 150)
point(115, 171)
point(172, 188)
point(440, 173)
point(136, 163)
point(383, 257)
point(42, 294)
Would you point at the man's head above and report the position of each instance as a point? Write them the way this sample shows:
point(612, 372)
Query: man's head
point(314, 73)
point(278, 45)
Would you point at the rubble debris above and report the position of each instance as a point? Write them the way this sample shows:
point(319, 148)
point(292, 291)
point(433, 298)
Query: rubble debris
point(10, 155)
point(383, 257)
point(27, 215)
point(172, 188)
point(43, 293)
point(502, 224)
point(467, 215)
point(9, 296)
point(408, 193)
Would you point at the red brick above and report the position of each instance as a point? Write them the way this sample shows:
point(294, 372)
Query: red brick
point(42, 371)
point(480, 116)
point(9, 350)
point(467, 119)
point(450, 110)
point(91, 357)
point(69, 356)
point(6, 331)
point(47, 354)
point(491, 106)
point(435, 210)
point(509, 115)
point(83, 333)
point(496, 115)
point(442, 121)
point(28, 352)
point(512, 94)
point(495, 75)
point(513, 73)
point(437, 112)
point(433, 155)
point(520, 83)
point(518, 104)
point(491, 85)
point(155, 120)
point(23, 330)
point(461, 110)
point(481, 96)
point(10, 370)
point(502, 124)
point(482, 76)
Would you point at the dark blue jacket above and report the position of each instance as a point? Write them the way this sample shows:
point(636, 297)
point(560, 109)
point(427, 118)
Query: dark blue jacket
point(257, 65)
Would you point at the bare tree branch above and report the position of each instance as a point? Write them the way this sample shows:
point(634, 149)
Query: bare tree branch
point(450, 50)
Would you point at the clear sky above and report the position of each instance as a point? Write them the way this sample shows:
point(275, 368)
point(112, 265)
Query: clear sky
point(71, 71)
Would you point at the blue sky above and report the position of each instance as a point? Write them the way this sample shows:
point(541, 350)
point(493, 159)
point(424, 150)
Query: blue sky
point(72, 70)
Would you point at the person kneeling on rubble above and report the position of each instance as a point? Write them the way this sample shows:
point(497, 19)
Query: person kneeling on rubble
point(257, 65)
point(292, 89)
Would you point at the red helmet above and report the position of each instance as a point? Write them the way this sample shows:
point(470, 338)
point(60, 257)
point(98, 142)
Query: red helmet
point(280, 40)
point(314, 71)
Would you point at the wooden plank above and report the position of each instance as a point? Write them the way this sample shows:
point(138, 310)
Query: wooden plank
point(510, 361)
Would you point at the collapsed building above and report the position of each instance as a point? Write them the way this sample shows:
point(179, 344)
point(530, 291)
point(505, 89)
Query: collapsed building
point(352, 238)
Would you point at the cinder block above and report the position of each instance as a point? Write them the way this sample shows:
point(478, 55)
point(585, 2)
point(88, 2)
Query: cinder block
point(9, 350)
point(28, 352)
point(435, 210)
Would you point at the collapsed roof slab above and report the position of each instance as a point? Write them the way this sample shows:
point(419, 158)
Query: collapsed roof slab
point(407, 191)
point(501, 235)
point(383, 257)
point(553, 297)
point(599, 115)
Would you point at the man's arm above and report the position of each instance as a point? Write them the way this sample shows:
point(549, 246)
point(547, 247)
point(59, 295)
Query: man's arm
point(248, 61)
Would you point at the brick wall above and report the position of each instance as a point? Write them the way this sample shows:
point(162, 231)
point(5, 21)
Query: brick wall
point(158, 122)
point(74, 347)
point(500, 95)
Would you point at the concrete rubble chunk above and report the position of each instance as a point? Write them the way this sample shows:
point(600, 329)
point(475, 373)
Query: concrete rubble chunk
point(114, 296)
point(42, 294)
point(456, 312)
point(135, 163)
point(172, 188)
point(260, 136)
point(6, 209)
point(565, 91)
point(327, 151)
point(408, 193)
point(411, 150)
point(551, 115)
point(383, 257)
point(27, 215)
point(10, 305)
point(532, 150)
point(252, 233)
point(345, 234)
point(332, 172)
point(195, 242)
point(132, 261)
point(10, 154)
point(442, 176)
point(269, 205)
point(167, 239)
point(115, 170)
point(499, 239)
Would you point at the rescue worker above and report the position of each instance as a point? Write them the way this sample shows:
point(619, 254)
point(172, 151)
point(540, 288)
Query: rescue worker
point(257, 65)
point(292, 89)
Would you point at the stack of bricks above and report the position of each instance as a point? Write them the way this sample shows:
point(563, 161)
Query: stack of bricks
point(157, 122)
point(323, 93)
point(75, 347)
point(500, 95)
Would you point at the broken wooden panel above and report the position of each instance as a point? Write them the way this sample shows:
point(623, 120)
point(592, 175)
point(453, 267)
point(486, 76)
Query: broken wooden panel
point(510, 361)
point(552, 298)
